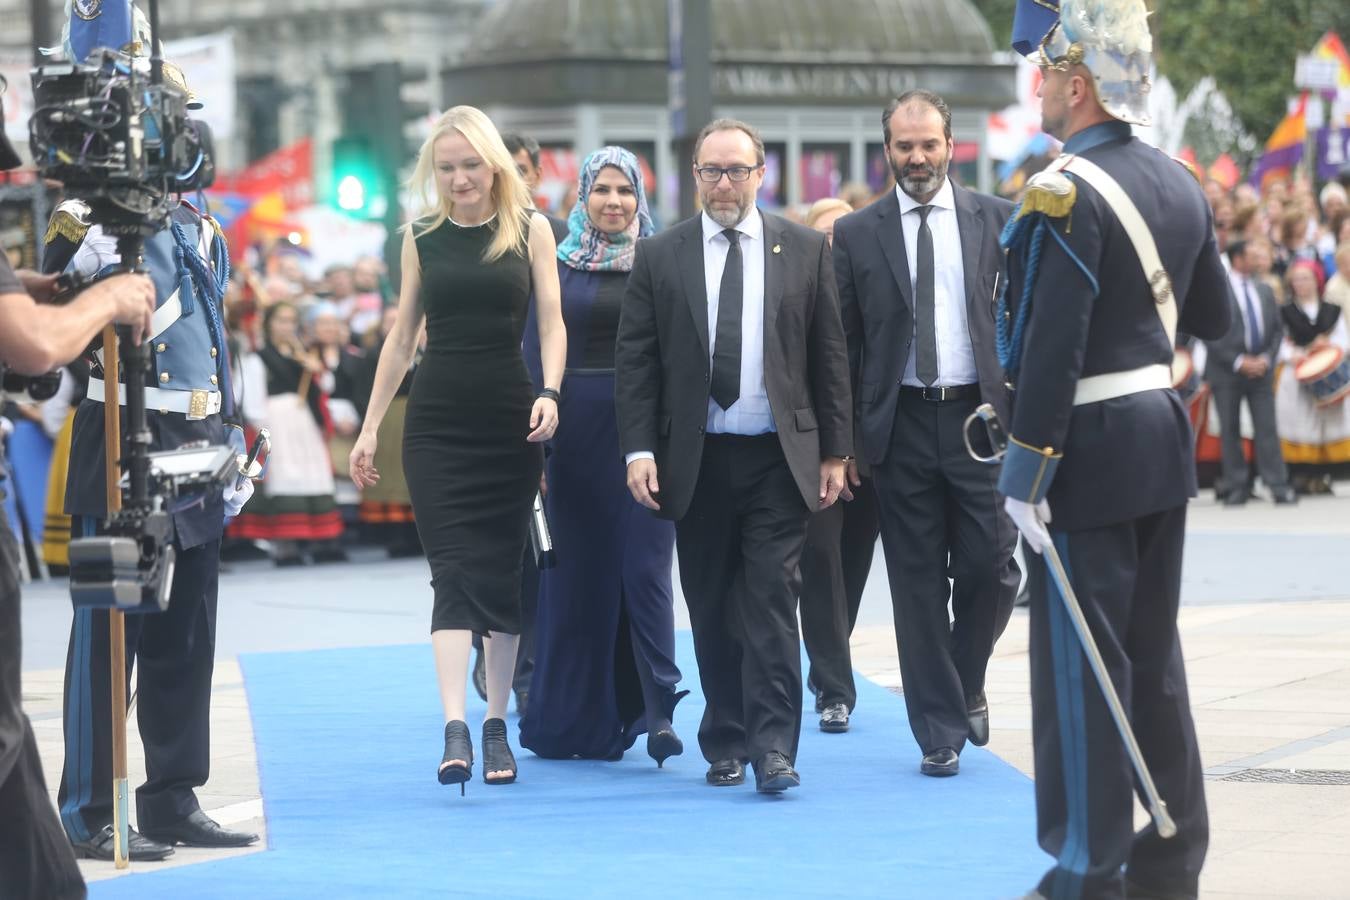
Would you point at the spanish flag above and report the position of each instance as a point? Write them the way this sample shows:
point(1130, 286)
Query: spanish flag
point(1284, 148)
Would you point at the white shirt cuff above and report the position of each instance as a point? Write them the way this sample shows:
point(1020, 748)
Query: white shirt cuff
point(639, 454)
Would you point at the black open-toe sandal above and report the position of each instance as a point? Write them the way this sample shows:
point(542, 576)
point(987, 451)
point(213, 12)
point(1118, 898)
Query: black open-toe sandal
point(497, 756)
point(457, 746)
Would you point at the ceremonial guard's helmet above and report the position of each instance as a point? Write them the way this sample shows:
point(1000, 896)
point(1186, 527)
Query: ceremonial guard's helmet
point(1108, 37)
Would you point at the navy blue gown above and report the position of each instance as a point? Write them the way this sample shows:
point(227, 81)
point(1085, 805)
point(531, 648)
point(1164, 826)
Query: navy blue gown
point(606, 622)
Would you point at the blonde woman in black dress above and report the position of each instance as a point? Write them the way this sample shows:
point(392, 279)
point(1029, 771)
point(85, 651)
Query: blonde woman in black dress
point(472, 442)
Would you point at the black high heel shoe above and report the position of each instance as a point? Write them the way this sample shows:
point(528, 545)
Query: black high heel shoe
point(497, 755)
point(457, 746)
point(664, 743)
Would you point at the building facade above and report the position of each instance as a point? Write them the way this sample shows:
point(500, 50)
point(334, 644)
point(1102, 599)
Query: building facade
point(812, 77)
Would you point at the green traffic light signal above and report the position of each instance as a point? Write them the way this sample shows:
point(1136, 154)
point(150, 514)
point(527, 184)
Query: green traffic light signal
point(357, 187)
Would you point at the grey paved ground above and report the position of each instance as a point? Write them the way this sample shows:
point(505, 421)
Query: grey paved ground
point(1265, 625)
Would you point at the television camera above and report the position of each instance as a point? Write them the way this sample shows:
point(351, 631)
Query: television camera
point(115, 131)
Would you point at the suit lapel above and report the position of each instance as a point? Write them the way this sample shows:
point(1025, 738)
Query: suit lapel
point(774, 236)
point(891, 234)
point(689, 258)
point(970, 224)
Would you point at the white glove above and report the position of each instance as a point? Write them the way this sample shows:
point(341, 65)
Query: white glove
point(235, 498)
point(1031, 521)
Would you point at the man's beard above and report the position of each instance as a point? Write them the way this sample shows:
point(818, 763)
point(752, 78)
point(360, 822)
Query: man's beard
point(920, 181)
point(727, 218)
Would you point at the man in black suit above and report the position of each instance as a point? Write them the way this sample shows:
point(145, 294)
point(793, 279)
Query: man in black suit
point(917, 272)
point(1241, 365)
point(732, 378)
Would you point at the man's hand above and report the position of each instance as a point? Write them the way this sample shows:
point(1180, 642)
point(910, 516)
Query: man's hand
point(642, 482)
point(1031, 521)
point(236, 497)
point(41, 288)
point(854, 479)
point(1253, 366)
point(132, 298)
point(833, 481)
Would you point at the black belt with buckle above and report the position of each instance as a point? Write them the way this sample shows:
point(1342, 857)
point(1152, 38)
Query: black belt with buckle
point(943, 394)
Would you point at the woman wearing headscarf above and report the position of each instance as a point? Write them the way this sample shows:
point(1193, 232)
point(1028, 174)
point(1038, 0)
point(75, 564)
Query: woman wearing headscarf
point(605, 635)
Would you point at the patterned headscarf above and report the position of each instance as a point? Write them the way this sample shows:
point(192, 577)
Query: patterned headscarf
point(586, 247)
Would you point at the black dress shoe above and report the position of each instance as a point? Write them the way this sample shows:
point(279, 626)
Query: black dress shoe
point(726, 773)
point(1286, 497)
point(834, 718)
point(941, 762)
point(1236, 498)
point(977, 711)
point(200, 830)
point(522, 702)
point(774, 774)
point(139, 847)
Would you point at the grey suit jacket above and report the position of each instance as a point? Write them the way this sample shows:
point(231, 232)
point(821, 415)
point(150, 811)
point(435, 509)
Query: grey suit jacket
point(872, 269)
point(663, 369)
point(1223, 353)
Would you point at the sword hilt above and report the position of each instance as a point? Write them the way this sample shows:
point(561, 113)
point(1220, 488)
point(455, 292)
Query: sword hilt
point(997, 438)
point(249, 467)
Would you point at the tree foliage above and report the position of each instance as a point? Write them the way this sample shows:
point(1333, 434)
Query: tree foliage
point(1248, 46)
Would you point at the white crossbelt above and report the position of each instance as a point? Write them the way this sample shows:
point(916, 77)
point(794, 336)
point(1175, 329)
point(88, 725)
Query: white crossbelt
point(168, 313)
point(1096, 388)
point(193, 404)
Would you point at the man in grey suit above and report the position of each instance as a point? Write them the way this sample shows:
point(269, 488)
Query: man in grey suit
point(918, 273)
point(1241, 366)
point(733, 407)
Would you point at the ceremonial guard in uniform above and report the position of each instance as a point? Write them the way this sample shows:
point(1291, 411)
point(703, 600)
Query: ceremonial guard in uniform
point(1111, 245)
point(188, 401)
point(175, 650)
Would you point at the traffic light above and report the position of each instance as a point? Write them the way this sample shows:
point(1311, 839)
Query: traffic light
point(358, 185)
point(376, 111)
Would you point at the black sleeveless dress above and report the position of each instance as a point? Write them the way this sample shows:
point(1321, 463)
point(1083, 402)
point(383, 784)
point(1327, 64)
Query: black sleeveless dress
point(471, 473)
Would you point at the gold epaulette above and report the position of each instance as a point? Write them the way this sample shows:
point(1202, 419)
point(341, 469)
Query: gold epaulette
point(1190, 167)
point(70, 221)
point(1051, 193)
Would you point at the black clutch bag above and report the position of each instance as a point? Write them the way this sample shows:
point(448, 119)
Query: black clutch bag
point(540, 537)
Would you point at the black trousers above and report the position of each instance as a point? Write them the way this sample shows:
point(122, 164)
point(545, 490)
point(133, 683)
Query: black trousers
point(739, 546)
point(174, 652)
point(942, 518)
point(1260, 396)
point(529, 607)
point(840, 544)
point(36, 862)
point(1128, 581)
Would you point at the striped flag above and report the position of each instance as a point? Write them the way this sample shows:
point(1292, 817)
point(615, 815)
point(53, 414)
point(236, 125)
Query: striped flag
point(1284, 148)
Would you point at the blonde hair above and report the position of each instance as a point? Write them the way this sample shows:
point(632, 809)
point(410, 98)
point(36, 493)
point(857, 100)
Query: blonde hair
point(823, 206)
point(510, 197)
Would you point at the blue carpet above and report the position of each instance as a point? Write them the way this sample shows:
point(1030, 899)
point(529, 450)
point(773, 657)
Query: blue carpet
point(349, 740)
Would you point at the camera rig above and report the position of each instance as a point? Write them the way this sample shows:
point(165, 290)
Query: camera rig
point(116, 133)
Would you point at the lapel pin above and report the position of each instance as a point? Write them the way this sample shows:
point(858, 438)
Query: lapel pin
point(777, 248)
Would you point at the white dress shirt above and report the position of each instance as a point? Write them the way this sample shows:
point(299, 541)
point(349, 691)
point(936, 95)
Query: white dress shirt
point(955, 355)
point(1241, 284)
point(750, 414)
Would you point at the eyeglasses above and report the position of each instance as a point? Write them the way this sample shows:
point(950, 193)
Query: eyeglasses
point(713, 174)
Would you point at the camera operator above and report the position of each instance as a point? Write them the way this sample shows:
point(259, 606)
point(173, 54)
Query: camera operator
point(35, 858)
point(174, 651)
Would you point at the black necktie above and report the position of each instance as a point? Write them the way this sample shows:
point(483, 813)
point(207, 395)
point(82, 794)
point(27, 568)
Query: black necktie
point(925, 302)
point(726, 374)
